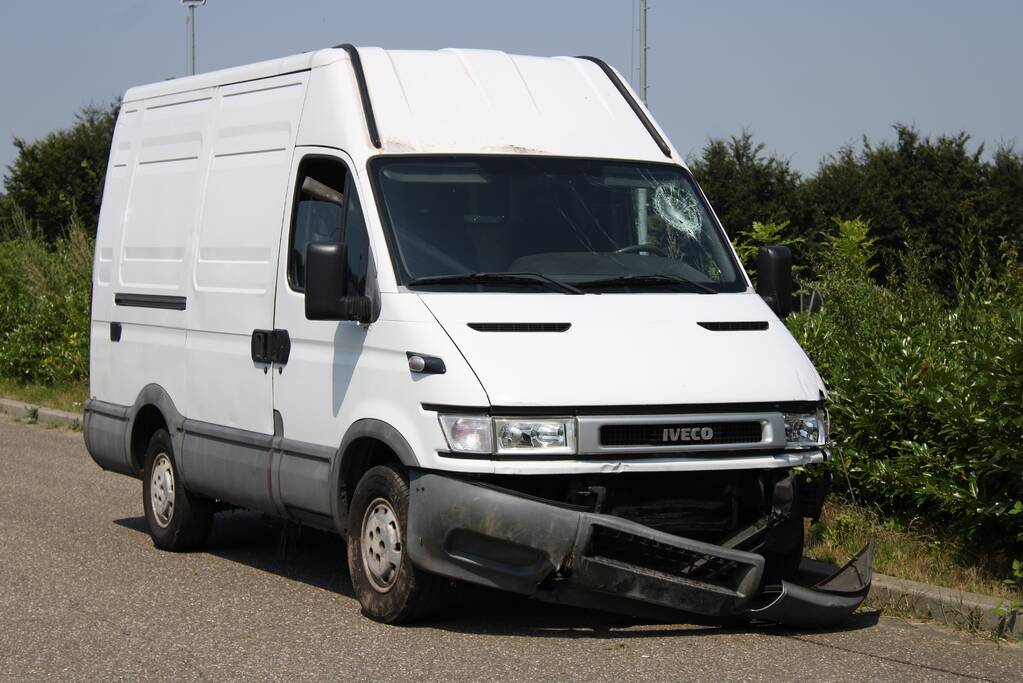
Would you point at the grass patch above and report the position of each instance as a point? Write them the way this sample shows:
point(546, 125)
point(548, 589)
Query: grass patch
point(911, 549)
point(69, 397)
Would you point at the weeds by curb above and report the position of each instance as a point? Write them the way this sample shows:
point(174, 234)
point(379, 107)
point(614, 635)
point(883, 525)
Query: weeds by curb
point(40, 415)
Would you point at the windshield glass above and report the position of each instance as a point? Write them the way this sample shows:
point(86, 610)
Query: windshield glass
point(598, 225)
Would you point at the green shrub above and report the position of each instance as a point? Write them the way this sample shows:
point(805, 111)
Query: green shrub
point(926, 391)
point(44, 303)
point(766, 233)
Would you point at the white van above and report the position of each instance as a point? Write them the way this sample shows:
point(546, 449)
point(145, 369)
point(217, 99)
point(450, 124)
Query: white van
point(470, 311)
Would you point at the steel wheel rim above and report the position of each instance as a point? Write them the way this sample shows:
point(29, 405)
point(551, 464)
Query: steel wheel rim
point(381, 545)
point(161, 490)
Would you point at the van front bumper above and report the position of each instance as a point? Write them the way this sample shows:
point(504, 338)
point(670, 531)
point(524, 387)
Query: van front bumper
point(498, 538)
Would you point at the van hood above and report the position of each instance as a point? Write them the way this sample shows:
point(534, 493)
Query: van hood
point(625, 349)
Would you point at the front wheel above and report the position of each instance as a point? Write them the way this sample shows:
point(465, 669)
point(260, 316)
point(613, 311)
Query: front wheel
point(387, 585)
point(178, 520)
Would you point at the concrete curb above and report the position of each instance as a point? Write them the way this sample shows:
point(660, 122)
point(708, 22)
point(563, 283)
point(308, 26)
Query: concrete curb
point(40, 415)
point(947, 605)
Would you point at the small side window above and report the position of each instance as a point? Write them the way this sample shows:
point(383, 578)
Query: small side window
point(319, 213)
point(327, 209)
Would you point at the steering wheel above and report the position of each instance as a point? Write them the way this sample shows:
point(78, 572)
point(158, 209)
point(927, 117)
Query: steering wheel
point(638, 248)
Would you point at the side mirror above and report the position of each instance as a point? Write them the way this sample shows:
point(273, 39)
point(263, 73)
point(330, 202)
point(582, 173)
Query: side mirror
point(326, 264)
point(774, 278)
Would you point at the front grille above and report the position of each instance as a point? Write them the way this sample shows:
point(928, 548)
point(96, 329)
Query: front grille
point(747, 432)
point(638, 551)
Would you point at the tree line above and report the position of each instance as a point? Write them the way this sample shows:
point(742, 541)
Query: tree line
point(912, 189)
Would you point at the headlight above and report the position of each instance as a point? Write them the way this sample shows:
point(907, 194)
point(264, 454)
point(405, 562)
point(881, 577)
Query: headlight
point(501, 435)
point(550, 436)
point(468, 433)
point(805, 430)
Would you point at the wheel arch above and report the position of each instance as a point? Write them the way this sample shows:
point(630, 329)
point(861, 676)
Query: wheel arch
point(367, 443)
point(153, 409)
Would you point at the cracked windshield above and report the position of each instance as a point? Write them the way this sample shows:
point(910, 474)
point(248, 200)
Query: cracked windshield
point(542, 223)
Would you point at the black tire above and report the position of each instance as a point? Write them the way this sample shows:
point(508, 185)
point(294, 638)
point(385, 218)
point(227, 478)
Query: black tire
point(406, 593)
point(185, 523)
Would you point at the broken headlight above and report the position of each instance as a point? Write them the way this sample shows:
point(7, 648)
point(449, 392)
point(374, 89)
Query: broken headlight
point(805, 430)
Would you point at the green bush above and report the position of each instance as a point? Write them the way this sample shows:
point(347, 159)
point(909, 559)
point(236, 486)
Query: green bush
point(44, 303)
point(926, 391)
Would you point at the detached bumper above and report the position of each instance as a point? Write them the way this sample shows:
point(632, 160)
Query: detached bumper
point(505, 540)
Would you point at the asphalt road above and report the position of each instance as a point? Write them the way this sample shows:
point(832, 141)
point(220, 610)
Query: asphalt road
point(86, 596)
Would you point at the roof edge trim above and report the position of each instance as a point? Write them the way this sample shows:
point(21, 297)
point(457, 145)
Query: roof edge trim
point(367, 105)
point(640, 114)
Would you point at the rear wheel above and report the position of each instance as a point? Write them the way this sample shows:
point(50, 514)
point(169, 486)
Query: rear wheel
point(389, 587)
point(178, 520)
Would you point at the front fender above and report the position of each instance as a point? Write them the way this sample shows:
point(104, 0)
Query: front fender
point(366, 428)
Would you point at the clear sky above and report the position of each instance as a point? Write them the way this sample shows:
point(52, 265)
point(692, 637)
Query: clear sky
point(807, 76)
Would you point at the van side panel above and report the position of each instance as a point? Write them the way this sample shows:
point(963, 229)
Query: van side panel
point(252, 141)
point(186, 266)
point(143, 247)
point(252, 132)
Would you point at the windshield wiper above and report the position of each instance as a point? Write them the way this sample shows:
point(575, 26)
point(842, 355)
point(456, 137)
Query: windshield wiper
point(650, 279)
point(496, 278)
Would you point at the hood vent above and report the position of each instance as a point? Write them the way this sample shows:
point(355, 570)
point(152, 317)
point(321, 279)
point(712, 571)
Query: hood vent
point(735, 326)
point(520, 327)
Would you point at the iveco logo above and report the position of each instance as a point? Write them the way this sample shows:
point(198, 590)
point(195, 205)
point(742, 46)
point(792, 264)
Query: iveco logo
point(672, 435)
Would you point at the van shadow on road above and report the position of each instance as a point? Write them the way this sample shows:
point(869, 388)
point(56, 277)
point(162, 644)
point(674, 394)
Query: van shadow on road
point(317, 559)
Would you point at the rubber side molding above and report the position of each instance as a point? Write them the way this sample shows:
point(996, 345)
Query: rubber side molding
point(162, 301)
point(360, 79)
point(108, 428)
point(640, 114)
point(104, 426)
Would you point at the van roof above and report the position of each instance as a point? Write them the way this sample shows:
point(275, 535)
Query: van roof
point(475, 101)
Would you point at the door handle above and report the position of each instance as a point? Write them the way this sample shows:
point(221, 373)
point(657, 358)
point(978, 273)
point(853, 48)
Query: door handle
point(261, 346)
point(280, 346)
point(271, 346)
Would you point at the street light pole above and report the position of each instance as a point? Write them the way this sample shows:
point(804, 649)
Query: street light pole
point(642, 50)
point(642, 230)
point(190, 5)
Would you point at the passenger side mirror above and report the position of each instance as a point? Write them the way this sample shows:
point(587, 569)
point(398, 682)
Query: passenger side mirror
point(326, 264)
point(774, 278)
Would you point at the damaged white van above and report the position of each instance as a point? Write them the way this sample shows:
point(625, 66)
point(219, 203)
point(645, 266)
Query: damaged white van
point(470, 311)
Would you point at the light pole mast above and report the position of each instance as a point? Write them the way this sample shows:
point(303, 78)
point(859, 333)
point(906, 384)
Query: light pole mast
point(642, 231)
point(642, 50)
point(190, 5)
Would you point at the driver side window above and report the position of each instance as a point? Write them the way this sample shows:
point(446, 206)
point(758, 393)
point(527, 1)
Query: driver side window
point(327, 209)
